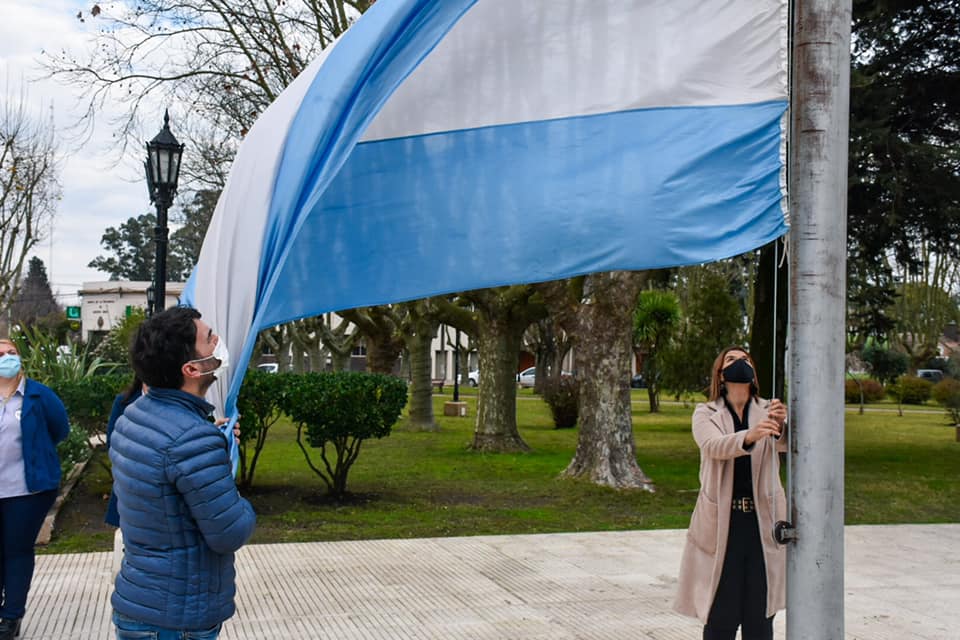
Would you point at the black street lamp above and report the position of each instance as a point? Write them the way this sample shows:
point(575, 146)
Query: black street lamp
point(163, 171)
point(150, 299)
point(456, 370)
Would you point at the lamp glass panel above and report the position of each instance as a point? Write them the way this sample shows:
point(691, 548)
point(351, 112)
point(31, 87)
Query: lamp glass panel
point(155, 164)
point(165, 162)
point(175, 169)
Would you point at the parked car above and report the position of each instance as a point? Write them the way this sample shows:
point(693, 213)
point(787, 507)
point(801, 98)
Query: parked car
point(933, 375)
point(473, 378)
point(528, 377)
point(269, 367)
point(637, 382)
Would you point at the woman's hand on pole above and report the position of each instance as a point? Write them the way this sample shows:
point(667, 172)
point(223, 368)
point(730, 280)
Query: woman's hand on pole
point(776, 410)
point(764, 428)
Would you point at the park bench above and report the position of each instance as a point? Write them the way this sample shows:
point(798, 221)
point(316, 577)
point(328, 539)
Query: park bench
point(438, 383)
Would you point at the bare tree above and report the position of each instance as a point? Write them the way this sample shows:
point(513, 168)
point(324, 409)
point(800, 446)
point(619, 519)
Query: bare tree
point(383, 335)
point(29, 188)
point(220, 62)
point(338, 341)
point(550, 345)
point(278, 340)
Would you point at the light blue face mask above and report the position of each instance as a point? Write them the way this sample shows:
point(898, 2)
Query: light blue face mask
point(9, 365)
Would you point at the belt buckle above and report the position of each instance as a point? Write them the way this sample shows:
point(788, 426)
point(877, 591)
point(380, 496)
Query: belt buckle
point(744, 505)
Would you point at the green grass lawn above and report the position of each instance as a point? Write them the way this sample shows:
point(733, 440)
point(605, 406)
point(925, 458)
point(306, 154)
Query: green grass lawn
point(898, 470)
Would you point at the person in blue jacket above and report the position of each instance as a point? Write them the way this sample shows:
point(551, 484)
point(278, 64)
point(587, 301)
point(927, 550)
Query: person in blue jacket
point(32, 422)
point(121, 402)
point(181, 516)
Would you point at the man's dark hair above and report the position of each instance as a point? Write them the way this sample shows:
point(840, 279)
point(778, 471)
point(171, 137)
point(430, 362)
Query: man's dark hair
point(161, 346)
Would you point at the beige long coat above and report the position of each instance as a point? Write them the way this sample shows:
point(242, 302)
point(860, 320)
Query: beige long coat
point(706, 543)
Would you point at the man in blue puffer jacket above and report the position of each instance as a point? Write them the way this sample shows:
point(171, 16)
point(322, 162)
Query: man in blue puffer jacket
point(181, 515)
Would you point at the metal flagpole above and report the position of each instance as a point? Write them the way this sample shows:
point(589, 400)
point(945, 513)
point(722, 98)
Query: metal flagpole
point(818, 197)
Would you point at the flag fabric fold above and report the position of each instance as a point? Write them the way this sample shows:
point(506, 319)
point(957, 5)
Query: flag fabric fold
point(445, 146)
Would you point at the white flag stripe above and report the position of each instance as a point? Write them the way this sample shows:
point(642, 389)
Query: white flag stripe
point(234, 239)
point(532, 61)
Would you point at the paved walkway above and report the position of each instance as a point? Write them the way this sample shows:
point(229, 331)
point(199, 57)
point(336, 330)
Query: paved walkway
point(901, 582)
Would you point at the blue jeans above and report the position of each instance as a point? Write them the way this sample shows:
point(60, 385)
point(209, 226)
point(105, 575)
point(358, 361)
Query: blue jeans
point(130, 629)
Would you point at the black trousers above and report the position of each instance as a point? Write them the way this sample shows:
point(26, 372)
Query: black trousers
point(741, 599)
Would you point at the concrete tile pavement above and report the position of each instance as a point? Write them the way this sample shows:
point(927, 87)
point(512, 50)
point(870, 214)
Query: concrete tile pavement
point(901, 582)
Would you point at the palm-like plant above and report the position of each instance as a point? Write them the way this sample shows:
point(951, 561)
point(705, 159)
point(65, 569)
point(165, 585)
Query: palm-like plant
point(655, 319)
point(49, 362)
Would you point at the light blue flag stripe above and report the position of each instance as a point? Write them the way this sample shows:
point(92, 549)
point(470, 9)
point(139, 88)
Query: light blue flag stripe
point(426, 215)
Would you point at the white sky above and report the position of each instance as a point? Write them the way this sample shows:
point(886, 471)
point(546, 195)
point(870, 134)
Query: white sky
point(97, 193)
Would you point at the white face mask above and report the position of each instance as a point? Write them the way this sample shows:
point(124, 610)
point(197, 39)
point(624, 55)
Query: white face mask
point(219, 353)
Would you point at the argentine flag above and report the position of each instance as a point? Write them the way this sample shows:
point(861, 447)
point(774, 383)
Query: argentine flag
point(447, 145)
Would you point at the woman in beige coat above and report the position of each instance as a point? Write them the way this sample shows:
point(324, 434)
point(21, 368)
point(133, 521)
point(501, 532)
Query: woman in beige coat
point(733, 571)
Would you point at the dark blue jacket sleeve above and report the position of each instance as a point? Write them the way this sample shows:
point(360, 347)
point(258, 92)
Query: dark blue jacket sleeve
point(58, 425)
point(199, 466)
point(115, 412)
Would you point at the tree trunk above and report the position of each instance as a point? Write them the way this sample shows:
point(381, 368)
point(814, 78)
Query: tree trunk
point(421, 388)
point(382, 353)
point(278, 339)
point(498, 345)
point(653, 395)
point(606, 451)
point(298, 359)
point(339, 361)
point(546, 356)
point(762, 349)
point(464, 371)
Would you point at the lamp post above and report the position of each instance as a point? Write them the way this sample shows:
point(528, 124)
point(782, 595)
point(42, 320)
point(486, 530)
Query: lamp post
point(163, 170)
point(456, 370)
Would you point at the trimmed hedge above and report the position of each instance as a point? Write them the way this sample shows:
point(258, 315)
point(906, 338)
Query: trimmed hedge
point(911, 390)
point(947, 393)
point(872, 391)
point(339, 410)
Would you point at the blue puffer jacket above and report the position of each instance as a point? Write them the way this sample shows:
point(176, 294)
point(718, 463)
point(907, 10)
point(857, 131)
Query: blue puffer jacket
point(181, 515)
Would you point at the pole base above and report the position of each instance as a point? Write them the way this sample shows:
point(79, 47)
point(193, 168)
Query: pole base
point(457, 409)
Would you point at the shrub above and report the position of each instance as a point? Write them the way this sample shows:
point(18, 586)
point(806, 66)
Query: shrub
point(259, 405)
point(911, 390)
point(74, 449)
point(872, 391)
point(947, 393)
point(89, 400)
point(341, 409)
point(563, 396)
point(115, 346)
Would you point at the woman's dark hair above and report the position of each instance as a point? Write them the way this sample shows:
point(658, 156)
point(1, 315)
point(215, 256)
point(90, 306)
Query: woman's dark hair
point(162, 345)
point(135, 389)
point(716, 384)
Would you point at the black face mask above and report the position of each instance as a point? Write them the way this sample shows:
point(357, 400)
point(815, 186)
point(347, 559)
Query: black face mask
point(739, 371)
